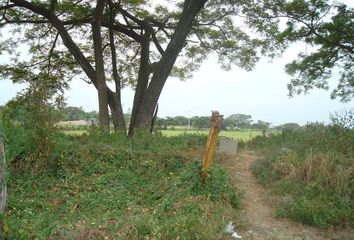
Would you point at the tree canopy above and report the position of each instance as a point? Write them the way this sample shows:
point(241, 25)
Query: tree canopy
point(141, 43)
point(77, 113)
point(238, 121)
point(288, 126)
point(262, 125)
point(326, 27)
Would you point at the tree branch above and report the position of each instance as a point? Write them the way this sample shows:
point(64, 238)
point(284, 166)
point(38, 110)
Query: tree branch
point(116, 77)
point(7, 6)
point(51, 51)
point(157, 44)
point(131, 17)
point(212, 22)
point(86, 20)
point(67, 40)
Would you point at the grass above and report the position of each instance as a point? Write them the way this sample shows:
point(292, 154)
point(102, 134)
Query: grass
point(244, 135)
point(314, 165)
point(108, 187)
point(75, 132)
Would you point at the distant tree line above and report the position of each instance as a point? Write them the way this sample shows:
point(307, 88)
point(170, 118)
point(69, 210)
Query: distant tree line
point(77, 113)
point(233, 122)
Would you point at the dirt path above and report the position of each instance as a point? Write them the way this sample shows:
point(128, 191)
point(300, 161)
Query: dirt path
point(259, 220)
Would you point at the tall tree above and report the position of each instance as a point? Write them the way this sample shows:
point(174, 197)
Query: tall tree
point(99, 65)
point(238, 121)
point(66, 38)
point(140, 43)
point(288, 126)
point(261, 125)
point(201, 121)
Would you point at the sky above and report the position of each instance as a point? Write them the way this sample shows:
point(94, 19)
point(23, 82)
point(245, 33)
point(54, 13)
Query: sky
point(261, 93)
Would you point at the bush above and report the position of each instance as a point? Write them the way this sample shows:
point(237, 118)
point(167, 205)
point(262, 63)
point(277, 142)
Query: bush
point(28, 123)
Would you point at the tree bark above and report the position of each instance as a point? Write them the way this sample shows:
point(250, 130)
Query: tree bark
point(143, 79)
point(99, 65)
point(154, 119)
point(148, 103)
point(116, 103)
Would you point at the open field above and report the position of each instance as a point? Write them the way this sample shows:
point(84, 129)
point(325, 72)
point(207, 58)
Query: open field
point(74, 132)
point(244, 135)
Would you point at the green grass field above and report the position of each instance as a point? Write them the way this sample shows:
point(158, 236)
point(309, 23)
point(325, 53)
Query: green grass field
point(244, 135)
point(74, 132)
point(240, 135)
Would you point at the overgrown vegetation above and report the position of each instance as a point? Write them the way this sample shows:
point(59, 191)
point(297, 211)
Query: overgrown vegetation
point(29, 124)
point(110, 187)
point(312, 168)
point(106, 186)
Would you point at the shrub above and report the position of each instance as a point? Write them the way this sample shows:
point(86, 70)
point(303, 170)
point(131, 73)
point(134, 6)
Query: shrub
point(28, 123)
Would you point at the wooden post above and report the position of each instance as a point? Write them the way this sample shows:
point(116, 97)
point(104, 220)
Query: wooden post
point(216, 122)
point(3, 190)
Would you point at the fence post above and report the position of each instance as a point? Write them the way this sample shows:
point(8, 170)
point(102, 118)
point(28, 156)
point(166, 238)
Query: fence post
point(216, 122)
point(3, 188)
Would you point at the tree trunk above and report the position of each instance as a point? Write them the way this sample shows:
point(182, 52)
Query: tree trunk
point(143, 79)
point(99, 65)
point(148, 103)
point(154, 118)
point(115, 102)
point(117, 113)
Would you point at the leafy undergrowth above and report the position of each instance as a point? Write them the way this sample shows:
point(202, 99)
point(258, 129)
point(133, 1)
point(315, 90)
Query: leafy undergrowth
point(312, 168)
point(109, 187)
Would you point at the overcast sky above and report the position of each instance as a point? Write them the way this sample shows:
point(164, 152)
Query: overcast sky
point(261, 93)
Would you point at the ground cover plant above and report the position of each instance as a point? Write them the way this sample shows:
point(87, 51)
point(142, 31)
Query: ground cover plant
point(312, 169)
point(110, 187)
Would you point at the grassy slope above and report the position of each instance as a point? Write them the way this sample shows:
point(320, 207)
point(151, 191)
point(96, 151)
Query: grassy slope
point(112, 188)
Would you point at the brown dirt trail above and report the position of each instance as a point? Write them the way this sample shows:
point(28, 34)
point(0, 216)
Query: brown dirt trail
point(258, 216)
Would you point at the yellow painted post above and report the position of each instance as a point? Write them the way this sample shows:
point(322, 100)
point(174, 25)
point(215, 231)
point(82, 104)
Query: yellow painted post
point(216, 122)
